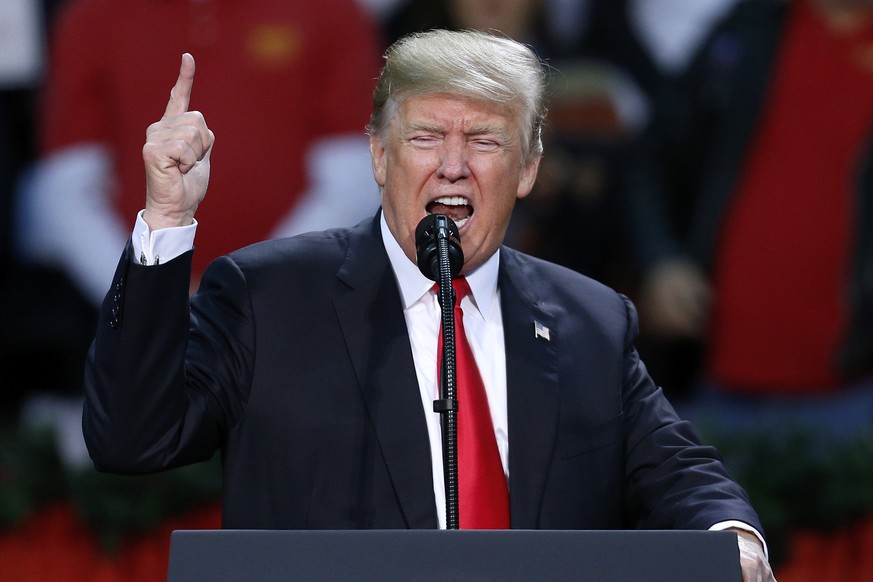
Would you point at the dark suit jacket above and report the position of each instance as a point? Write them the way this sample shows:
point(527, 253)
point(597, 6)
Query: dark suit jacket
point(295, 362)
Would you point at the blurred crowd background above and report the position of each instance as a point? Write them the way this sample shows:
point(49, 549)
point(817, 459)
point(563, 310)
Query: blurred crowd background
point(708, 158)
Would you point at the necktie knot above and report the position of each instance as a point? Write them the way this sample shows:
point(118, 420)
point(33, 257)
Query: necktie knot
point(461, 287)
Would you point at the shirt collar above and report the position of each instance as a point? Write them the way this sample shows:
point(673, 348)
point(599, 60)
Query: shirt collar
point(413, 285)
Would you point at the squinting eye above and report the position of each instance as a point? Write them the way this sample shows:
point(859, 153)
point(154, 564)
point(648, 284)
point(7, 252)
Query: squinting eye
point(485, 144)
point(423, 140)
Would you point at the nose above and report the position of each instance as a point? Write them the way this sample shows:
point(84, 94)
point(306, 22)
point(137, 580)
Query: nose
point(453, 160)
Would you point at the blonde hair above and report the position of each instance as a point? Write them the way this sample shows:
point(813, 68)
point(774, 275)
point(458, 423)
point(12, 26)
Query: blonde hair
point(470, 64)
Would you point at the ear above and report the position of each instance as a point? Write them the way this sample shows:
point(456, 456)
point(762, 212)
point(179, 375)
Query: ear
point(528, 177)
point(377, 156)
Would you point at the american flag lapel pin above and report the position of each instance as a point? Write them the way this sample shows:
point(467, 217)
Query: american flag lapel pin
point(541, 331)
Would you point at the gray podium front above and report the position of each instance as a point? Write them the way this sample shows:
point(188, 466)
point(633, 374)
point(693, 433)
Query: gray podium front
point(457, 556)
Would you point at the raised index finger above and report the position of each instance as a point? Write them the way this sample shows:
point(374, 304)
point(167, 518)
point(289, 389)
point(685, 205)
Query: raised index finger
point(180, 95)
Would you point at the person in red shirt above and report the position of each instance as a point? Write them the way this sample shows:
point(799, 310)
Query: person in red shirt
point(745, 202)
point(288, 82)
point(311, 67)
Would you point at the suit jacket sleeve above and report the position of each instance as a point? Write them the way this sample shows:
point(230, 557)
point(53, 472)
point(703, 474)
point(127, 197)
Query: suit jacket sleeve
point(146, 408)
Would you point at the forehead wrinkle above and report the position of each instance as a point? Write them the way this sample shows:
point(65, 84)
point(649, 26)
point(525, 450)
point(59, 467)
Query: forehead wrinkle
point(470, 129)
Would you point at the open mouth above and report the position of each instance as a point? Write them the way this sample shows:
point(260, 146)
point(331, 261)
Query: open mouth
point(455, 207)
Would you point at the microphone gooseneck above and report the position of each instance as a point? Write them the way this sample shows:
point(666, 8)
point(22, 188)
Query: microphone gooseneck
point(440, 258)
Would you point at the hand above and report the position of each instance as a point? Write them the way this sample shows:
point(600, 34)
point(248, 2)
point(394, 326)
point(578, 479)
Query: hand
point(753, 562)
point(176, 156)
point(675, 301)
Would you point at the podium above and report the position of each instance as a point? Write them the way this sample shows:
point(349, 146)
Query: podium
point(457, 556)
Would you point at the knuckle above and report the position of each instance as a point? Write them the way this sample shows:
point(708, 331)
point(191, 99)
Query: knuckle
point(190, 133)
point(154, 127)
point(149, 151)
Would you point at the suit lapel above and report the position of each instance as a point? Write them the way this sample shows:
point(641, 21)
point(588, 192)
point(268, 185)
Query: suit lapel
point(371, 316)
point(532, 389)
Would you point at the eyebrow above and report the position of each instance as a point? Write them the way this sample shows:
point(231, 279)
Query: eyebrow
point(421, 126)
point(489, 129)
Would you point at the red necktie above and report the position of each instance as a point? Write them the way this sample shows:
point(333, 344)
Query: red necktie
point(483, 496)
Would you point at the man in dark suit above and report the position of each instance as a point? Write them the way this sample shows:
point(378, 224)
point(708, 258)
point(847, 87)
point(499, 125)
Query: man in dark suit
point(310, 362)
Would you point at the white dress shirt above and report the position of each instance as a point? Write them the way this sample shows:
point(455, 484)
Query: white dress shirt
point(483, 323)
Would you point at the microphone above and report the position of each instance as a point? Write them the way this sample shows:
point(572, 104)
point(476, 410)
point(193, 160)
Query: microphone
point(430, 231)
point(440, 258)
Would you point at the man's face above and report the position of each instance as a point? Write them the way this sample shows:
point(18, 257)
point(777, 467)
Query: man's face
point(462, 158)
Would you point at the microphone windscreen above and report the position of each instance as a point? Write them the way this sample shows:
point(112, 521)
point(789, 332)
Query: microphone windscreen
point(427, 234)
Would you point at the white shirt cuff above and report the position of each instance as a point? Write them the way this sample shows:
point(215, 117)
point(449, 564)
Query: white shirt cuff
point(162, 245)
point(723, 525)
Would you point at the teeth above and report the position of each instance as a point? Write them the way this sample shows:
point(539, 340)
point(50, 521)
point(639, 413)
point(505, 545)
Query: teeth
point(452, 200)
point(462, 222)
